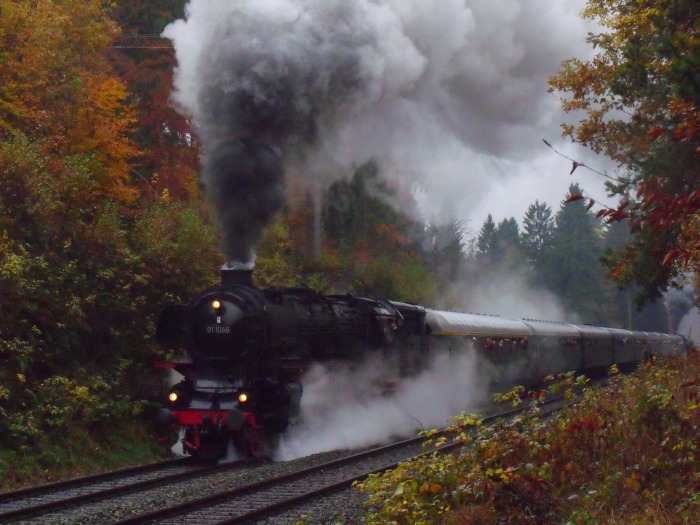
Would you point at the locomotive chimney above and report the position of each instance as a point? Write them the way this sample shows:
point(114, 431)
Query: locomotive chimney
point(237, 274)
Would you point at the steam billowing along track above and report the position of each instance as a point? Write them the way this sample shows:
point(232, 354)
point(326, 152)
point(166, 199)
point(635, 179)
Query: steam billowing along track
point(249, 348)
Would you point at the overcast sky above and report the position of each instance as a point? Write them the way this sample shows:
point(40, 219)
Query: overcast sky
point(450, 95)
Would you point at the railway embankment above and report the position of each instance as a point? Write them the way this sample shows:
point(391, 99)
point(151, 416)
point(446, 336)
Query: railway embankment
point(624, 454)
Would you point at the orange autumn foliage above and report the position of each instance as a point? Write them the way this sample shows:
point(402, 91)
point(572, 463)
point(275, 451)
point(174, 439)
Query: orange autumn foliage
point(57, 87)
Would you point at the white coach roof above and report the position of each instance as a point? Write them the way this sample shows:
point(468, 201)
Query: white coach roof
point(465, 324)
point(552, 328)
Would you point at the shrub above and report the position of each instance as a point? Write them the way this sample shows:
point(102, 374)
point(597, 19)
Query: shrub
point(625, 452)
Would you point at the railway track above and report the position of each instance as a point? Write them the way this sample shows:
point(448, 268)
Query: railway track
point(278, 495)
point(24, 504)
point(255, 494)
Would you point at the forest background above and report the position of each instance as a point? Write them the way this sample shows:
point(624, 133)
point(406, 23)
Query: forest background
point(103, 222)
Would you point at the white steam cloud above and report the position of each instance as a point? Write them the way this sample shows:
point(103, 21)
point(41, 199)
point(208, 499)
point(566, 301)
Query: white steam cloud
point(341, 408)
point(508, 295)
point(448, 94)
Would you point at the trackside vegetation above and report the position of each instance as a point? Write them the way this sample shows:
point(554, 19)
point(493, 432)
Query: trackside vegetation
point(103, 221)
point(627, 454)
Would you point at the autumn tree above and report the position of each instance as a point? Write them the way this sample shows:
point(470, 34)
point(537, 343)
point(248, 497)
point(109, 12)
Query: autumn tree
point(145, 62)
point(640, 101)
point(85, 263)
point(368, 246)
point(81, 286)
point(56, 86)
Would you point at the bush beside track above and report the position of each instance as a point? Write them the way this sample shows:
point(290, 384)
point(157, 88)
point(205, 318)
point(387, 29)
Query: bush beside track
point(79, 453)
point(626, 454)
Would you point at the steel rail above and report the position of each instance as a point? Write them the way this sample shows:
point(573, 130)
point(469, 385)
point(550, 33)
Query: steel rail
point(222, 497)
point(26, 492)
point(197, 470)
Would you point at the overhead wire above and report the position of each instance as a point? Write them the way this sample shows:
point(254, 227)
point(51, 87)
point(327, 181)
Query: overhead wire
point(141, 36)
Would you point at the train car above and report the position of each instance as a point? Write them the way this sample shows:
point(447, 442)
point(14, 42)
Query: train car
point(655, 343)
point(624, 347)
point(503, 343)
point(596, 348)
point(554, 348)
point(248, 350)
point(678, 344)
point(642, 345)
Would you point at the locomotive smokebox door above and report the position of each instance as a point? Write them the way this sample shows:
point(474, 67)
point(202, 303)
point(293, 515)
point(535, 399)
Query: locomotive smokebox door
point(170, 323)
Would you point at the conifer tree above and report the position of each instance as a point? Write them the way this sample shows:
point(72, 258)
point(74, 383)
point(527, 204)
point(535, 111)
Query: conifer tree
point(572, 267)
point(538, 230)
point(487, 238)
point(507, 251)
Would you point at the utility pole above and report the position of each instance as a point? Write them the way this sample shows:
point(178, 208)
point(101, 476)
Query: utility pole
point(317, 217)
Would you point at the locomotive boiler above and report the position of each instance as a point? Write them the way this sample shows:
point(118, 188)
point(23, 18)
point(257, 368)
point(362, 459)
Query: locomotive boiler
point(249, 348)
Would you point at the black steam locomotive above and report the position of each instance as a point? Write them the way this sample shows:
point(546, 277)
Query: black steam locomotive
point(250, 347)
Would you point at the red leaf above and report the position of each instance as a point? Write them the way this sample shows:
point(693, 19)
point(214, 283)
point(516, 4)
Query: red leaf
point(649, 202)
point(574, 197)
point(617, 216)
point(655, 133)
point(670, 256)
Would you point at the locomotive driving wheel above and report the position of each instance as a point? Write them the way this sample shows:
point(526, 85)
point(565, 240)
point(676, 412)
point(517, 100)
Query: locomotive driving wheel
point(249, 441)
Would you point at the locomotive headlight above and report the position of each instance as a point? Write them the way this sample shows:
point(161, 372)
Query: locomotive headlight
point(242, 397)
point(172, 396)
point(216, 304)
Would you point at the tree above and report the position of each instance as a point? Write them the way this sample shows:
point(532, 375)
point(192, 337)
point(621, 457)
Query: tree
point(358, 211)
point(81, 286)
point(572, 267)
point(640, 96)
point(650, 317)
point(507, 252)
point(369, 246)
point(498, 247)
point(538, 226)
point(85, 266)
point(57, 87)
point(486, 240)
point(446, 251)
point(145, 63)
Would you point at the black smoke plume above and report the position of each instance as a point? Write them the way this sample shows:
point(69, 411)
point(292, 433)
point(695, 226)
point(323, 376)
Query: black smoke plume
point(446, 94)
point(263, 97)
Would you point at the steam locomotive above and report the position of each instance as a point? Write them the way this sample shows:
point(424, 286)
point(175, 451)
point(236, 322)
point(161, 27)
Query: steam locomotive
point(249, 349)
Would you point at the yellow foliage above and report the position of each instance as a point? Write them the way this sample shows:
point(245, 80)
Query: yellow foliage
point(56, 84)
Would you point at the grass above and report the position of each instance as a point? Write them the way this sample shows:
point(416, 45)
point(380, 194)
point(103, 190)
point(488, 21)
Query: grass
point(627, 454)
point(78, 453)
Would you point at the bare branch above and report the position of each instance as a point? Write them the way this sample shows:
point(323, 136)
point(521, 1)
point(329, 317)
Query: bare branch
point(577, 164)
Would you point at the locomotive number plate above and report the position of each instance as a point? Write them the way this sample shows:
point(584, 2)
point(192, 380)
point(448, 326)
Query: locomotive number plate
point(218, 329)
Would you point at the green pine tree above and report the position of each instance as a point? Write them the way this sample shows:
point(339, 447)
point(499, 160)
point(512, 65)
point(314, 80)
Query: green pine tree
point(572, 268)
